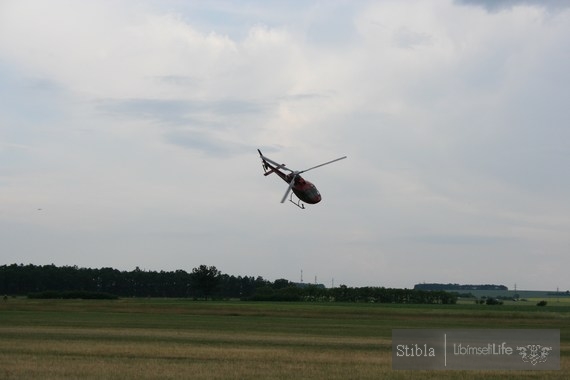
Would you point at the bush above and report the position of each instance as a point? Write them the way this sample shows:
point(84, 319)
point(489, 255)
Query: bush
point(541, 303)
point(494, 301)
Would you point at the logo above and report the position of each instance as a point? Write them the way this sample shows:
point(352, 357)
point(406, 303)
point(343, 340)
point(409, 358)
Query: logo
point(476, 349)
point(534, 353)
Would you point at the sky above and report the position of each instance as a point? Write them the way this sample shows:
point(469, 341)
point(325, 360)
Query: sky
point(129, 135)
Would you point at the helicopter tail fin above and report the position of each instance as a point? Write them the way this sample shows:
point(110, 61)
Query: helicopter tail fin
point(263, 162)
point(270, 166)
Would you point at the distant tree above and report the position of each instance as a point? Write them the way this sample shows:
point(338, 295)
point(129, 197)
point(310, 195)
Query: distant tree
point(436, 286)
point(205, 280)
point(281, 283)
point(541, 303)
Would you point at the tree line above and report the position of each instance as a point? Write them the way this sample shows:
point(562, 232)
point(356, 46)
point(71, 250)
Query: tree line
point(203, 282)
point(457, 287)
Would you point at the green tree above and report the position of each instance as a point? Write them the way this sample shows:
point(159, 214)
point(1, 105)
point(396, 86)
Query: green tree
point(281, 283)
point(205, 280)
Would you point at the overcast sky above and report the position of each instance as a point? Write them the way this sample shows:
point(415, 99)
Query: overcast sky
point(128, 137)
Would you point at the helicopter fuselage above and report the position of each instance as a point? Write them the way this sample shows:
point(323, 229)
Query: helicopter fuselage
point(303, 189)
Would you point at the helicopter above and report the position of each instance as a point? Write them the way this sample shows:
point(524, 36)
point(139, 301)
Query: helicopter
point(303, 189)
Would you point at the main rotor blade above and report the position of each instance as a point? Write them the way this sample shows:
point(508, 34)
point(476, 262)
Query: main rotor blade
point(326, 163)
point(289, 189)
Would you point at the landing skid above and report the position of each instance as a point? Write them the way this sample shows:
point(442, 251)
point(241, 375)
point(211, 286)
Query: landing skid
point(298, 203)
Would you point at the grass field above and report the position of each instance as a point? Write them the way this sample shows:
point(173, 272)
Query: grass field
point(173, 339)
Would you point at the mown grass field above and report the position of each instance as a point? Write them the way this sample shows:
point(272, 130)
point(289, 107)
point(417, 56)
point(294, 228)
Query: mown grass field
point(174, 339)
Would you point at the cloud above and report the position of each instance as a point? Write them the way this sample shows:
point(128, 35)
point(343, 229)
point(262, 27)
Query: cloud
point(199, 125)
point(157, 110)
point(207, 143)
point(463, 240)
point(406, 38)
point(147, 117)
point(496, 6)
point(180, 111)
